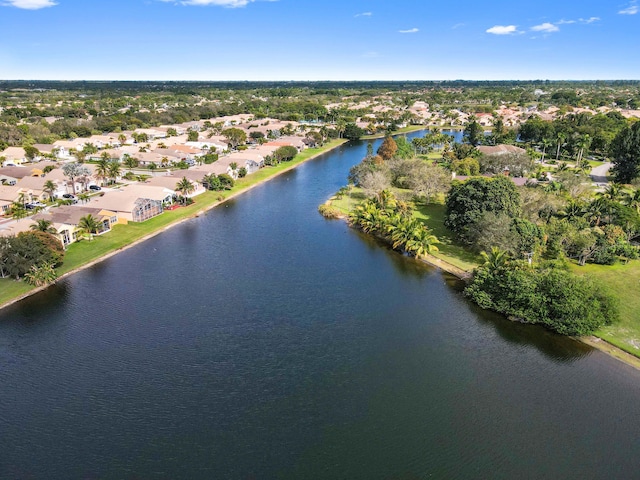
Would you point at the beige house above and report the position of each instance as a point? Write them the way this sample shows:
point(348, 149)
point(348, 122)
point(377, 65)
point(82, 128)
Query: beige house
point(134, 203)
point(66, 218)
point(13, 156)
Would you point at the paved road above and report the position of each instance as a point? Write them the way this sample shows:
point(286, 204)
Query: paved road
point(599, 173)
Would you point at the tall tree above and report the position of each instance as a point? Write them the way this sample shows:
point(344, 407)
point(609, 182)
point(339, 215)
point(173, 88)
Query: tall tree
point(234, 137)
point(561, 137)
point(625, 153)
point(115, 170)
point(49, 188)
point(102, 170)
point(72, 171)
point(388, 148)
point(185, 187)
point(473, 133)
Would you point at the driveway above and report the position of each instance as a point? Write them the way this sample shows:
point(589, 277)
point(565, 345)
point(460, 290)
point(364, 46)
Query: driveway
point(599, 173)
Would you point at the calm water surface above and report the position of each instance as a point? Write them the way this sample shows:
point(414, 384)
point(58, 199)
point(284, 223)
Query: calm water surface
point(262, 341)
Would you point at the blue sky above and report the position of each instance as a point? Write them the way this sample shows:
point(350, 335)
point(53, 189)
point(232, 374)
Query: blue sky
point(319, 40)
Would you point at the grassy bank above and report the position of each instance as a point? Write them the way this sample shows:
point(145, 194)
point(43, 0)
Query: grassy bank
point(86, 252)
point(432, 215)
point(623, 282)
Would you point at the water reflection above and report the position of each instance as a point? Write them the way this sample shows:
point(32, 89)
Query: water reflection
point(556, 347)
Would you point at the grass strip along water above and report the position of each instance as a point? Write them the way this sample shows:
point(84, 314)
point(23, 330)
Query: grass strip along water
point(82, 254)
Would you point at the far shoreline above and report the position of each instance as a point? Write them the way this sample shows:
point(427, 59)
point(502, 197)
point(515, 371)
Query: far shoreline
point(294, 164)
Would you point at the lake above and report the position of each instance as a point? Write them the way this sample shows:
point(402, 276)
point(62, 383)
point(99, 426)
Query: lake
point(260, 340)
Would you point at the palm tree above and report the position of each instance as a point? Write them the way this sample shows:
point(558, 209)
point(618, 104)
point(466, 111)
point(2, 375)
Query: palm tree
point(561, 138)
point(612, 192)
point(546, 143)
point(495, 259)
point(115, 170)
point(633, 200)
point(583, 144)
point(89, 224)
point(421, 242)
point(341, 126)
point(43, 225)
point(41, 275)
point(573, 209)
point(596, 210)
point(49, 188)
point(102, 170)
point(185, 187)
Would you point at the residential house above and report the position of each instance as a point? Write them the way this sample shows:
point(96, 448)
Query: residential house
point(104, 141)
point(152, 133)
point(65, 147)
point(170, 182)
point(66, 220)
point(135, 203)
point(13, 156)
point(249, 159)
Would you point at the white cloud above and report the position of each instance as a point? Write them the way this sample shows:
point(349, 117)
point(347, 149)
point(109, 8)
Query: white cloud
point(457, 25)
point(363, 14)
point(217, 3)
point(411, 30)
point(545, 27)
point(29, 4)
point(632, 9)
point(589, 20)
point(503, 30)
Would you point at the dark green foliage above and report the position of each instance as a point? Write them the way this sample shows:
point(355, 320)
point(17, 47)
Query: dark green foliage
point(473, 133)
point(549, 296)
point(405, 149)
point(192, 136)
point(625, 153)
point(218, 182)
point(18, 254)
point(285, 154)
point(353, 132)
point(210, 158)
point(467, 202)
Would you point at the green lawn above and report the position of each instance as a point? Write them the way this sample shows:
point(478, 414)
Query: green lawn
point(623, 282)
point(10, 289)
point(431, 215)
point(449, 249)
point(86, 251)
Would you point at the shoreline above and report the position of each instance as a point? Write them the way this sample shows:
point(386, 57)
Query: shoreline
point(169, 226)
point(596, 343)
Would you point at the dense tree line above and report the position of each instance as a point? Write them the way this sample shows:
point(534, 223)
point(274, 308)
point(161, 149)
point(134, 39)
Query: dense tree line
point(545, 295)
point(27, 252)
